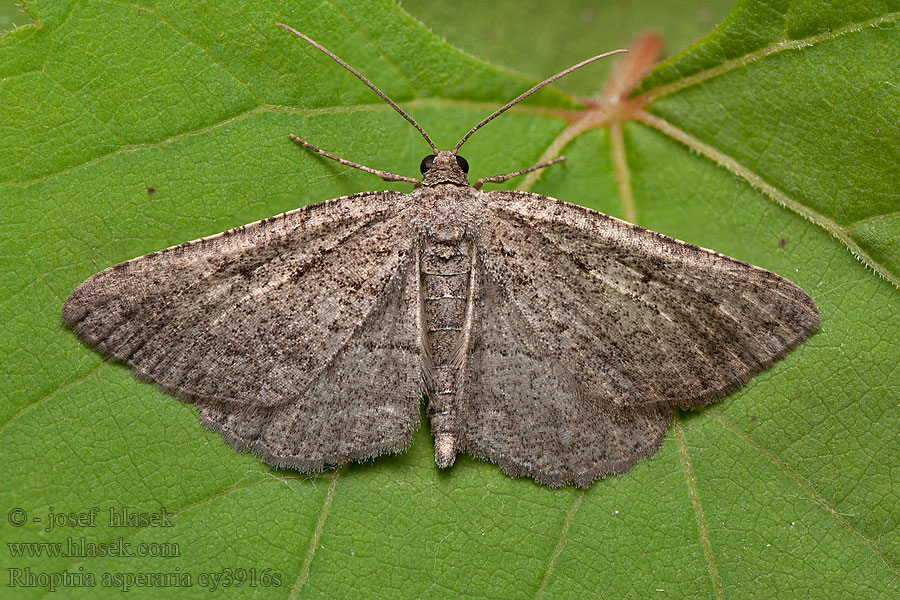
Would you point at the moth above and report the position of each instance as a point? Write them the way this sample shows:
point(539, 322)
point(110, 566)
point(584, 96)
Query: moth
point(548, 338)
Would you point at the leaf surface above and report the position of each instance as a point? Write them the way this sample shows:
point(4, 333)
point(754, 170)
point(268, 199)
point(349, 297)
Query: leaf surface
point(133, 126)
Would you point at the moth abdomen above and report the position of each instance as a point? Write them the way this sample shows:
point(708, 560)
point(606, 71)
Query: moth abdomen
point(446, 275)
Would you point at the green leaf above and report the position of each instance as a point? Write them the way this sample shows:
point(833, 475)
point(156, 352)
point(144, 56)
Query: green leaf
point(12, 16)
point(774, 139)
point(540, 38)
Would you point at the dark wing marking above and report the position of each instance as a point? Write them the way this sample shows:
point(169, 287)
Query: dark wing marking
point(634, 316)
point(260, 320)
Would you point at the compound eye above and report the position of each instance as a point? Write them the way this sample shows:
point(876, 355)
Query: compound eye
point(426, 163)
point(463, 164)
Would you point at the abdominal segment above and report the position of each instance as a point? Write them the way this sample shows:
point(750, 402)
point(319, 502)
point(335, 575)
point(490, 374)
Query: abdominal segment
point(446, 275)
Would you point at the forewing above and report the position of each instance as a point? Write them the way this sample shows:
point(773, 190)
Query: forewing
point(363, 403)
point(634, 316)
point(522, 409)
point(277, 318)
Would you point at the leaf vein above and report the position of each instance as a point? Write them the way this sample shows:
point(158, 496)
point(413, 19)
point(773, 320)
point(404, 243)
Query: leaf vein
point(276, 108)
point(774, 48)
point(769, 190)
point(187, 39)
point(26, 409)
point(808, 490)
point(702, 529)
point(563, 536)
point(873, 219)
point(303, 577)
point(362, 32)
point(623, 174)
point(77, 99)
point(787, 21)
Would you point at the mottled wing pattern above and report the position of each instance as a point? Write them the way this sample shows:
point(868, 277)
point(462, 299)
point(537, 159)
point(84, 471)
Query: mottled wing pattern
point(364, 403)
point(296, 335)
point(636, 317)
point(589, 330)
point(522, 409)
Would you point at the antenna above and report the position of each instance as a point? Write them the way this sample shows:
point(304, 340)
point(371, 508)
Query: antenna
point(365, 81)
point(530, 92)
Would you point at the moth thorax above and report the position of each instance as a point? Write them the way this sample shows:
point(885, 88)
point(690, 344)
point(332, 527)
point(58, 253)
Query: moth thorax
point(445, 234)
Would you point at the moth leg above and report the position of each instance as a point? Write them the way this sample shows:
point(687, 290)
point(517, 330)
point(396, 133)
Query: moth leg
point(505, 176)
point(386, 175)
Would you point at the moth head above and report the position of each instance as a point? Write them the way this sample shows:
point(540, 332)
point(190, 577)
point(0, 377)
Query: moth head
point(444, 167)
